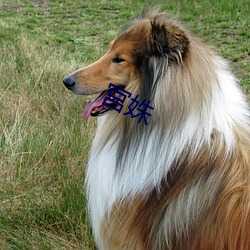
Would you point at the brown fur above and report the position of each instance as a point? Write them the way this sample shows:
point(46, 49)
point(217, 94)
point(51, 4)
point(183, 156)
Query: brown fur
point(223, 221)
point(202, 203)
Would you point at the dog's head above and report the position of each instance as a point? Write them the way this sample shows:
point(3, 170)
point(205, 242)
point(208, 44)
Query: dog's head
point(152, 36)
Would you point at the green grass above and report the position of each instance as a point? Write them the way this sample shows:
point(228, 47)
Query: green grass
point(44, 142)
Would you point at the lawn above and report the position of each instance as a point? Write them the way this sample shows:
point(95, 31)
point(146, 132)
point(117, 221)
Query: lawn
point(44, 142)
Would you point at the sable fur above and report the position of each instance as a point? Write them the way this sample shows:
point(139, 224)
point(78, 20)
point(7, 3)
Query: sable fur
point(182, 181)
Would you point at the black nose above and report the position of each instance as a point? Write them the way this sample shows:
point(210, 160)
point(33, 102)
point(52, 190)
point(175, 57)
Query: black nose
point(69, 82)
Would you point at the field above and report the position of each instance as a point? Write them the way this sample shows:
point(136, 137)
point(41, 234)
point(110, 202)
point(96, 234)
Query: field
point(44, 142)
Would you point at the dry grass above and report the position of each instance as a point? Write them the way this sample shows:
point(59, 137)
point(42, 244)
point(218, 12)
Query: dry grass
point(44, 143)
point(43, 151)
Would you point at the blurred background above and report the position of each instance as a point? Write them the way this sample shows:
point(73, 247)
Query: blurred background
point(44, 142)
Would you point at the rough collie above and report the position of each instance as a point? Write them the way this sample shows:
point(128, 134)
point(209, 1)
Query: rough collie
point(183, 180)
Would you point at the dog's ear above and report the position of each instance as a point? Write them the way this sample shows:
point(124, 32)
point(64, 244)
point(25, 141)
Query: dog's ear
point(168, 39)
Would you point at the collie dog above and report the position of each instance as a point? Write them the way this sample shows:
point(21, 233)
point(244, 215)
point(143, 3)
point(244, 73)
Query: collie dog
point(183, 180)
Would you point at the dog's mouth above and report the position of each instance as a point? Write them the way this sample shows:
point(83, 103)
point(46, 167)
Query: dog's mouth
point(95, 107)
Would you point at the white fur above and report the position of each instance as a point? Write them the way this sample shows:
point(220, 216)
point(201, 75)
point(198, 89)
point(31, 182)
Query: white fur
point(226, 108)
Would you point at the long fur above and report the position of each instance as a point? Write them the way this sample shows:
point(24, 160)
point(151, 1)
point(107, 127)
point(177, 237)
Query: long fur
point(183, 180)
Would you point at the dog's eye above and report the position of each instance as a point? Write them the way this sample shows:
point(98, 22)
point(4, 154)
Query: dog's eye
point(118, 60)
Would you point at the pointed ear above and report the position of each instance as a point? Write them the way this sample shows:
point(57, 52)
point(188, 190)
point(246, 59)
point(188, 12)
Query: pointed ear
point(168, 38)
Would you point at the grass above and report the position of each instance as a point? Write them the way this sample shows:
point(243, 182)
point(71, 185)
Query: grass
point(44, 143)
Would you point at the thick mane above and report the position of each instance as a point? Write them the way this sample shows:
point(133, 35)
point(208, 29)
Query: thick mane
point(193, 97)
point(154, 185)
